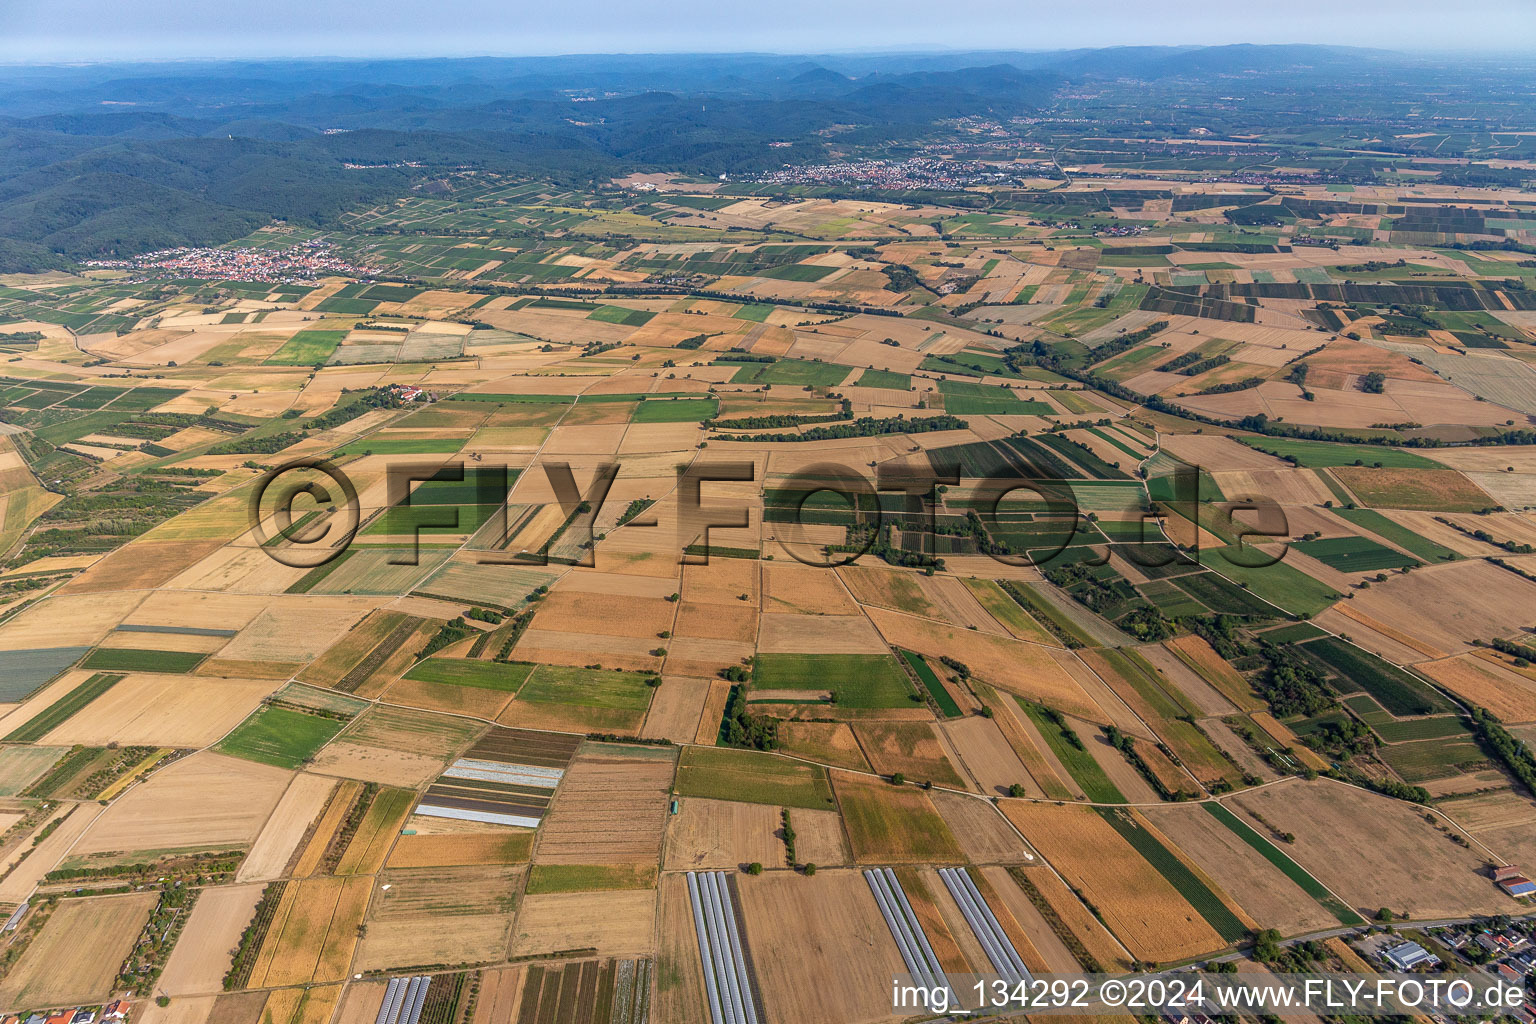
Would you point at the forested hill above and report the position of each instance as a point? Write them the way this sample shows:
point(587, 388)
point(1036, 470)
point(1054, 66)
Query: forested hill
point(80, 183)
point(117, 159)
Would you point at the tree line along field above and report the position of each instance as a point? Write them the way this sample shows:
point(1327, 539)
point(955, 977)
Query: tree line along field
point(495, 763)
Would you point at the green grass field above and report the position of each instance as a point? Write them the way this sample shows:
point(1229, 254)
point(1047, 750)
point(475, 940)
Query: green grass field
point(795, 372)
point(1426, 760)
point(886, 825)
point(61, 710)
point(856, 680)
point(885, 379)
point(506, 399)
point(402, 446)
point(279, 736)
point(308, 348)
point(1295, 872)
point(1396, 690)
point(128, 659)
point(1325, 453)
point(676, 410)
point(802, 272)
point(1079, 763)
point(964, 398)
point(429, 520)
point(592, 688)
point(753, 777)
point(347, 307)
point(931, 683)
point(548, 878)
point(1295, 633)
point(1354, 554)
point(482, 675)
point(620, 315)
point(1282, 585)
point(1370, 519)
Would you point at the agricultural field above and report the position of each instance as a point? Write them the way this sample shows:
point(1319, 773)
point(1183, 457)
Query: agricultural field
point(890, 824)
point(754, 777)
point(990, 477)
point(76, 955)
point(1157, 917)
point(281, 736)
point(852, 680)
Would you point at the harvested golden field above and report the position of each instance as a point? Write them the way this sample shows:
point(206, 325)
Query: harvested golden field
point(150, 709)
point(714, 711)
point(1037, 942)
point(1449, 605)
point(313, 932)
point(983, 834)
point(64, 620)
point(920, 886)
point(75, 958)
point(1045, 889)
point(578, 650)
point(1284, 486)
point(819, 837)
point(397, 746)
point(408, 942)
point(1427, 874)
point(439, 915)
point(822, 952)
point(501, 989)
point(296, 629)
point(609, 923)
point(888, 588)
point(304, 800)
point(735, 621)
point(604, 614)
point(1140, 906)
point(1259, 887)
point(797, 589)
point(205, 800)
point(675, 709)
point(824, 742)
point(320, 836)
point(369, 846)
point(892, 824)
point(192, 1010)
point(911, 748)
point(1488, 683)
point(1482, 812)
point(610, 809)
point(22, 874)
point(1431, 490)
point(711, 834)
point(202, 955)
point(1012, 665)
point(504, 846)
point(721, 581)
point(236, 1008)
point(147, 563)
point(986, 755)
point(1047, 775)
point(818, 634)
point(313, 1005)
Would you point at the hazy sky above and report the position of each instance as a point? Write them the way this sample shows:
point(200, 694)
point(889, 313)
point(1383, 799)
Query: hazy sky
point(69, 30)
